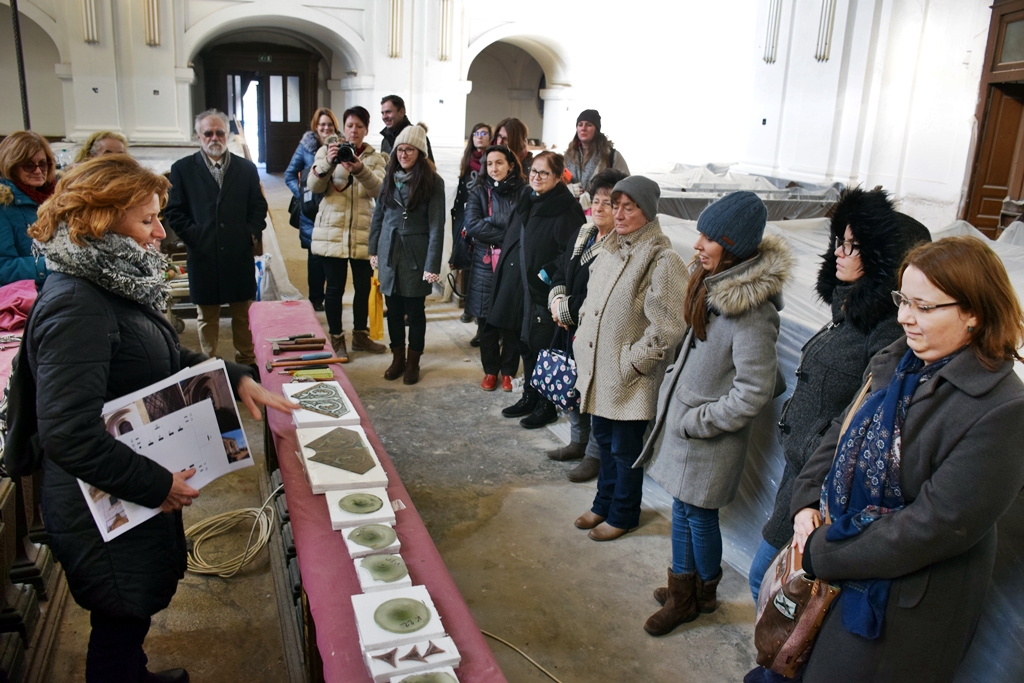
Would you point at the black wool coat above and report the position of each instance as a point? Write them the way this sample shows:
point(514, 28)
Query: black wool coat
point(540, 231)
point(487, 229)
point(960, 471)
point(86, 346)
point(219, 226)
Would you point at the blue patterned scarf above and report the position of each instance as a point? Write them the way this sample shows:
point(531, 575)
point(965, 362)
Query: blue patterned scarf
point(864, 483)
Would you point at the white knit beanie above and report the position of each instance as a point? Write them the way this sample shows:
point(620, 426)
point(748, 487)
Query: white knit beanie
point(415, 136)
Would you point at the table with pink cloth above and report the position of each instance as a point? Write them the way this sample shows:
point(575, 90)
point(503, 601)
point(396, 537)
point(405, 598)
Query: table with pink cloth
point(328, 573)
point(16, 301)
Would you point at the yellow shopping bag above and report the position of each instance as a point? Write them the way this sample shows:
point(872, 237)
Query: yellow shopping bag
point(376, 309)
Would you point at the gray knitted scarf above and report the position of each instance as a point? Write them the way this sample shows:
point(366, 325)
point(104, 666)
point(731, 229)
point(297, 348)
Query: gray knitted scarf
point(113, 262)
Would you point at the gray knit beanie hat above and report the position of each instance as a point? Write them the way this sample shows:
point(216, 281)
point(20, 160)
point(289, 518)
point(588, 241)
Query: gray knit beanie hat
point(415, 136)
point(644, 192)
point(736, 221)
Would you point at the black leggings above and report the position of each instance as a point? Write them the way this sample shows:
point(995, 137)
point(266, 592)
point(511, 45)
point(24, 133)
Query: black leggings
point(315, 277)
point(336, 270)
point(499, 350)
point(414, 307)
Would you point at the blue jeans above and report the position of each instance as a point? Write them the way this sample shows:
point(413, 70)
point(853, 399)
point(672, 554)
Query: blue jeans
point(762, 558)
point(696, 540)
point(619, 486)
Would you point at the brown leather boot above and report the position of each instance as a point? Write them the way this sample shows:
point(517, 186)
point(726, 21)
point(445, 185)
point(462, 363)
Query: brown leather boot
point(397, 366)
point(412, 367)
point(338, 344)
point(361, 342)
point(707, 594)
point(680, 607)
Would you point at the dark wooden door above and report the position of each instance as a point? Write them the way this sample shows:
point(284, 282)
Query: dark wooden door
point(286, 79)
point(1002, 138)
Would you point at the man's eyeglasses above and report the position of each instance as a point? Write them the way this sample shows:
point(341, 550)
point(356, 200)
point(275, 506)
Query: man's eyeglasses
point(849, 246)
point(31, 166)
point(900, 301)
point(543, 175)
point(214, 133)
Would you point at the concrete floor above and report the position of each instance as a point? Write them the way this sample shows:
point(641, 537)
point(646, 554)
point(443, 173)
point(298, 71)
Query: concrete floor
point(501, 515)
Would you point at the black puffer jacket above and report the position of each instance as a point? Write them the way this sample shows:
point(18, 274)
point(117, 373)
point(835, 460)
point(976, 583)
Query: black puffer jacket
point(86, 346)
point(863, 322)
point(547, 223)
point(488, 213)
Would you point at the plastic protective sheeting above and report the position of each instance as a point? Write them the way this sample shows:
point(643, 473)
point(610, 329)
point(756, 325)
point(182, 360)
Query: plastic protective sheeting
point(687, 190)
point(997, 653)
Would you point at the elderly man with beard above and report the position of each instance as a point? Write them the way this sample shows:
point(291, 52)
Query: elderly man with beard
point(218, 210)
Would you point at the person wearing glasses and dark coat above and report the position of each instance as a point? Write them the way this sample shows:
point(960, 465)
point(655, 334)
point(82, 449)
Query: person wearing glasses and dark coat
point(541, 229)
point(218, 210)
point(869, 239)
point(27, 179)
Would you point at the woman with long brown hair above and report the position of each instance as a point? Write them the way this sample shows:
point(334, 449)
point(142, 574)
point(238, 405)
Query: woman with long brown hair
point(97, 332)
point(590, 151)
point(471, 174)
point(724, 377)
point(28, 175)
point(406, 239)
point(514, 134)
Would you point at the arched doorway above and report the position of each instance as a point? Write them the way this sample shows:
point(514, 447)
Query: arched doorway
point(507, 81)
point(269, 83)
point(45, 92)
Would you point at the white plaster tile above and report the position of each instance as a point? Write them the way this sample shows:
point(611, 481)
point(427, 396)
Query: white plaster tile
point(341, 519)
point(307, 418)
point(323, 478)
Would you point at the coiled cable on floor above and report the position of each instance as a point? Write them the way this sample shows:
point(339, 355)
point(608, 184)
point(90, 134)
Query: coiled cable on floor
point(528, 657)
point(199, 533)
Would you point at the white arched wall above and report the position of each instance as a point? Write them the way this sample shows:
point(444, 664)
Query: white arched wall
point(348, 81)
point(505, 83)
point(552, 55)
point(41, 53)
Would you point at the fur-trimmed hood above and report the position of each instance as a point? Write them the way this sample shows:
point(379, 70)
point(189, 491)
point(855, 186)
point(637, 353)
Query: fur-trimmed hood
point(310, 142)
point(6, 194)
point(754, 281)
point(885, 236)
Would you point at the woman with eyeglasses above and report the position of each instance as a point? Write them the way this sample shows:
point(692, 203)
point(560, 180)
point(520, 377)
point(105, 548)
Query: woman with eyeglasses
point(488, 213)
point(900, 511)
point(471, 170)
point(868, 242)
point(102, 142)
point(514, 134)
point(27, 179)
point(322, 126)
point(540, 231)
point(406, 239)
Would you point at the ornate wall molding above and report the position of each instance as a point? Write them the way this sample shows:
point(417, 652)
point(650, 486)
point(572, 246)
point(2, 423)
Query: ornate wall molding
point(444, 46)
point(825, 24)
point(396, 17)
point(90, 25)
point(771, 43)
point(151, 16)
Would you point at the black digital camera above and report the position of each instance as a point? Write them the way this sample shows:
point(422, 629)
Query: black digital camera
point(346, 152)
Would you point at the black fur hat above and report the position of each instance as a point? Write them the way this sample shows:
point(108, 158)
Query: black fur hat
point(885, 236)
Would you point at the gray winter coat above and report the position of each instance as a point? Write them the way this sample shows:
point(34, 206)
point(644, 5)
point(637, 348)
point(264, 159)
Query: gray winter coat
point(630, 324)
point(960, 470)
point(408, 243)
point(716, 388)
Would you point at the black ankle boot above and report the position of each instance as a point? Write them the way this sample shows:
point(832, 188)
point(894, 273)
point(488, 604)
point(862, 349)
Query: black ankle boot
point(543, 414)
point(523, 406)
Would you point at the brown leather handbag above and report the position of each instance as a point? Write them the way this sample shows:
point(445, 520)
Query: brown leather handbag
point(790, 606)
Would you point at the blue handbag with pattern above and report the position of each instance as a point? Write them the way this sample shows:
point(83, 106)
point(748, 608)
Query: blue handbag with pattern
point(554, 376)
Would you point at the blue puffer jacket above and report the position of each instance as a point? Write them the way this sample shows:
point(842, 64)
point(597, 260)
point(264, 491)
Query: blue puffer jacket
point(17, 213)
point(303, 158)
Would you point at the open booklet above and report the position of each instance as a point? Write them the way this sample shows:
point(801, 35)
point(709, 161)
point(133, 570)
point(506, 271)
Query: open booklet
point(188, 420)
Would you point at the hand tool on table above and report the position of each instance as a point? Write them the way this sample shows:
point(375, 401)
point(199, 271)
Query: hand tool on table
point(306, 360)
point(304, 375)
point(292, 371)
point(300, 342)
point(281, 348)
point(304, 335)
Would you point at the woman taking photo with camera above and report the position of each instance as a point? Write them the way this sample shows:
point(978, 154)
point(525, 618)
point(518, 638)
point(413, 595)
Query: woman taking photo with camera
point(406, 239)
point(349, 175)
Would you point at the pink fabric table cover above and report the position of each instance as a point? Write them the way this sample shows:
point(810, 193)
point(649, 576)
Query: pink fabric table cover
point(328, 574)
